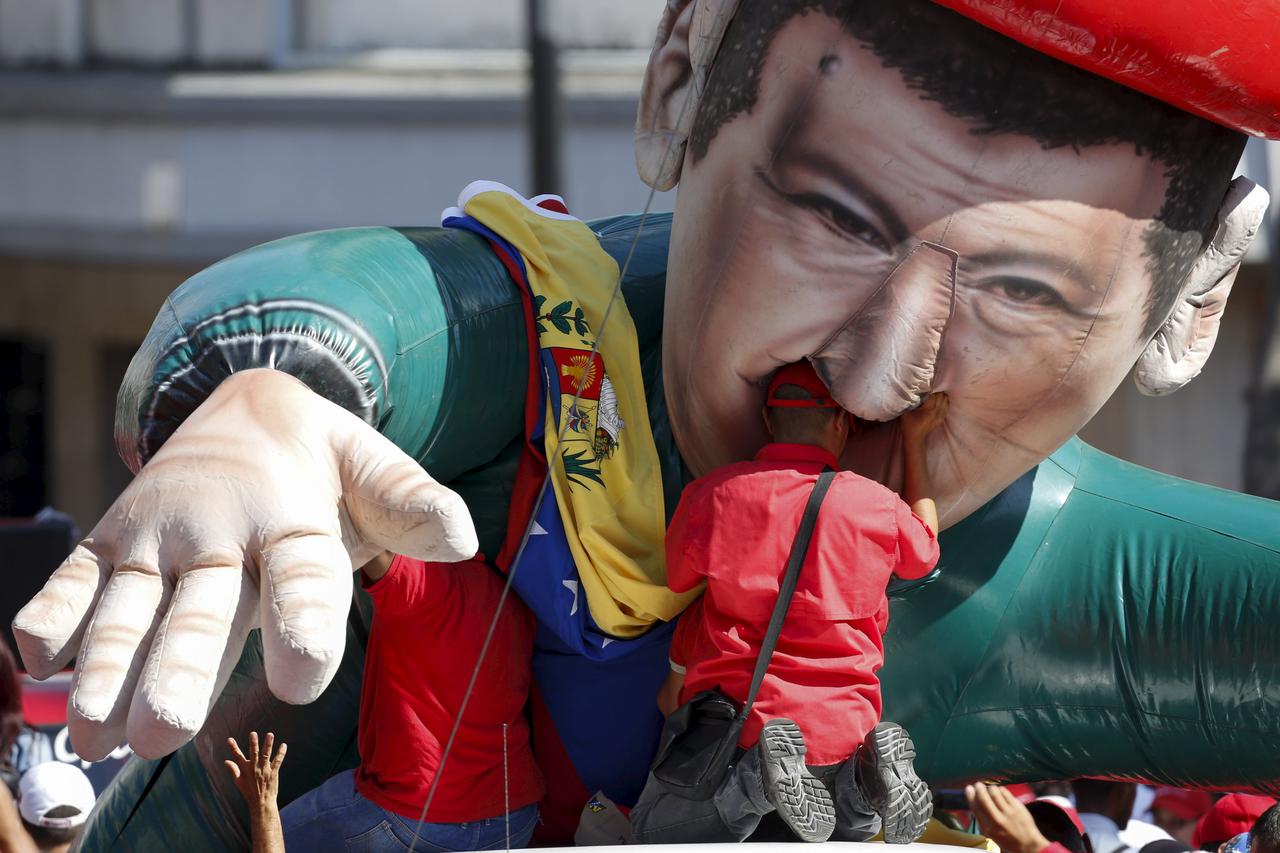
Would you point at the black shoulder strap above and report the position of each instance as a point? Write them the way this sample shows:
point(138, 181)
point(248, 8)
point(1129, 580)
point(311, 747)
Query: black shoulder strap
point(799, 548)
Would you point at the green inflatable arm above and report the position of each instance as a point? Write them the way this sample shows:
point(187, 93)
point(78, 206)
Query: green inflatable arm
point(1095, 618)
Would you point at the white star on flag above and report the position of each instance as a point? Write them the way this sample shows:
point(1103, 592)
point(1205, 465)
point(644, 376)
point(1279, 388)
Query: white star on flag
point(537, 529)
point(572, 586)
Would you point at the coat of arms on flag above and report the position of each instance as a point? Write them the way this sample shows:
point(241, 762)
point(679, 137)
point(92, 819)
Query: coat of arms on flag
point(589, 408)
point(579, 372)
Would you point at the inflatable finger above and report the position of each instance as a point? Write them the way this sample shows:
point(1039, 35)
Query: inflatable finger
point(49, 628)
point(212, 610)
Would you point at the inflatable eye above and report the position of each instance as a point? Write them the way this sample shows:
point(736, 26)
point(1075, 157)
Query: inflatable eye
point(838, 209)
point(1027, 292)
point(1012, 304)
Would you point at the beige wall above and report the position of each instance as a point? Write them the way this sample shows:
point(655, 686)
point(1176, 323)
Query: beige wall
point(87, 316)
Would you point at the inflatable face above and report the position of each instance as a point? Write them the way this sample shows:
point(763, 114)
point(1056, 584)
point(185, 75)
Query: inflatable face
point(996, 225)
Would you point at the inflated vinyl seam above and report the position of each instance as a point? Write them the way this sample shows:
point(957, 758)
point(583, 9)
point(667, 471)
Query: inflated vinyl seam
point(1188, 521)
point(1053, 459)
point(177, 318)
point(460, 321)
point(1197, 722)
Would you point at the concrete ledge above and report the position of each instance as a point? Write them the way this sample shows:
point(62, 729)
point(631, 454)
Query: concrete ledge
point(124, 246)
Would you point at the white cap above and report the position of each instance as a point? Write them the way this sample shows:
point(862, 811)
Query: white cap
point(52, 784)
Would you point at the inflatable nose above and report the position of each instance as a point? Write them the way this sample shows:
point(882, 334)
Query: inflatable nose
point(881, 362)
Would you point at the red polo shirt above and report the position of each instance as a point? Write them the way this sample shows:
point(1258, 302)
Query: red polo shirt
point(734, 528)
point(429, 623)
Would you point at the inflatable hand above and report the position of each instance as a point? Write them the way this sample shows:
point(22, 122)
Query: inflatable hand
point(252, 513)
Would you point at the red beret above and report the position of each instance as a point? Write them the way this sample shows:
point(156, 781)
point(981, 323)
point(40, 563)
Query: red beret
point(1181, 803)
point(1230, 816)
point(1216, 60)
point(803, 375)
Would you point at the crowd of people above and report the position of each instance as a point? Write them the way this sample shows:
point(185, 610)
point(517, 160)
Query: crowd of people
point(44, 803)
point(1084, 816)
point(1094, 816)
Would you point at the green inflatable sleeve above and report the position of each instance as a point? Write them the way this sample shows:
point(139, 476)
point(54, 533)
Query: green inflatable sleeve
point(1097, 619)
point(363, 318)
point(419, 331)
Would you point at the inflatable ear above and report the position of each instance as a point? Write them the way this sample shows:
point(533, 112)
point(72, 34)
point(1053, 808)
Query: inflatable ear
point(1178, 352)
point(689, 36)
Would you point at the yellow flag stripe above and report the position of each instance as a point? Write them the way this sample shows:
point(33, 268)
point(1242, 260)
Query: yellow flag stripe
point(606, 476)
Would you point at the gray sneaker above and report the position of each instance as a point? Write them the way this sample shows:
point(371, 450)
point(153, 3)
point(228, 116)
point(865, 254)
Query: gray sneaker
point(803, 802)
point(888, 780)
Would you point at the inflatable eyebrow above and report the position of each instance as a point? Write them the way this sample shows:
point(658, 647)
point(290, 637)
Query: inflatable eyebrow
point(1014, 203)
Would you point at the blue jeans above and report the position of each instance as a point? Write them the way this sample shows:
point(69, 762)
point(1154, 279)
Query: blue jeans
point(335, 817)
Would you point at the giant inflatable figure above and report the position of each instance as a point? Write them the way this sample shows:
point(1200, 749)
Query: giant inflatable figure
point(1018, 203)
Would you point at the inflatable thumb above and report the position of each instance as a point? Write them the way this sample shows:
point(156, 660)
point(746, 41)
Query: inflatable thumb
point(395, 505)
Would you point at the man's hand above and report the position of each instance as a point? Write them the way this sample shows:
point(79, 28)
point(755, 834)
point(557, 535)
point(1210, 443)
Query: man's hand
point(257, 775)
point(917, 486)
point(924, 419)
point(1004, 820)
point(257, 778)
point(253, 513)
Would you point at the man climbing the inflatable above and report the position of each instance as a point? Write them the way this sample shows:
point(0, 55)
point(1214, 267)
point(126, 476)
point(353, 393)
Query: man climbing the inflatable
point(779, 655)
point(1016, 203)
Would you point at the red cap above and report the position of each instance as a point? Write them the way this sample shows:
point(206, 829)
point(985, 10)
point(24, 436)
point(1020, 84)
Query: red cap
point(801, 373)
point(1230, 816)
point(1181, 803)
point(1212, 59)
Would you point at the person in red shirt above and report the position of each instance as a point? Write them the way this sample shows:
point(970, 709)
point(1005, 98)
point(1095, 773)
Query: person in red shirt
point(429, 624)
point(818, 709)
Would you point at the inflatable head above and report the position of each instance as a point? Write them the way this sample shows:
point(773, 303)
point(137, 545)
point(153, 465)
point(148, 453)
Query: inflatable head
point(917, 203)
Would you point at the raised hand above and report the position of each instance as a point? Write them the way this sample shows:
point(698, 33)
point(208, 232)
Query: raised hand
point(254, 512)
point(256, 775)
point(1004, 820)
point(917, 485)
point(257, 778)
